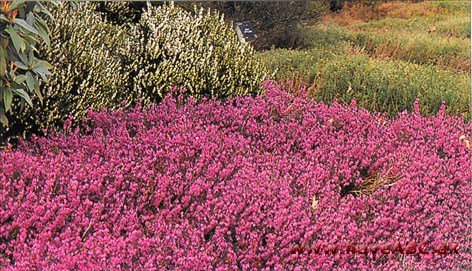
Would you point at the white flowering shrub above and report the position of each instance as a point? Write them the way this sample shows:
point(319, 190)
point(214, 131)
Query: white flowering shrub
point(99, 64)
point(200, 53)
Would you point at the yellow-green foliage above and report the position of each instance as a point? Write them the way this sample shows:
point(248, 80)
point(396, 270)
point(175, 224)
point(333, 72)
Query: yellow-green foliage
point(377, 85)
point(392, 86)
point(98, 64)
point(453, 7)
point(429, 44)
point(439, 34)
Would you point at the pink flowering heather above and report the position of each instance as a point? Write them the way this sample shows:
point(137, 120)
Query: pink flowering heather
point(237, 186)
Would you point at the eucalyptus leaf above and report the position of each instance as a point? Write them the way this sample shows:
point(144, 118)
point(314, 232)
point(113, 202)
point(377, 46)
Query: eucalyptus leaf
point(30, 58)
point(41, 64)
point(25, 25)
point(23, 58)
point(3, 117)
point(20, 92)
point(41, 22)
point(45, 10)
point(38, 92)
point(30, 19)
point(20, 79)
point(16, 39)
point(33, 85)
point(43, 73)
point(22, 105)
point(43, 31)
point(30, 81)
point(3, 64)
point(22, 11)
point(7, 98)
point(21, 65)
point(11, 53)
point(30, 41)
point(15, 4)
point(4, 18)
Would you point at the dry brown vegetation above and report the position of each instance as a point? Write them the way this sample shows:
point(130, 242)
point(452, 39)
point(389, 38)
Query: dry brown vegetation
point(364, 12)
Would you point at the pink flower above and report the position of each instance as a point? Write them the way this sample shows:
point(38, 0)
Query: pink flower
point(230, 185)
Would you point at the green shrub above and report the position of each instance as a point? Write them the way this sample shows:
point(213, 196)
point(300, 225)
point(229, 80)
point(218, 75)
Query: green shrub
point(296, 64)
point(421, 47)
point(392, 86)
point(382, 86)
point(198, 52)
point(453, 7)
point(99, 64)
point(455, 27)
point(446, 26)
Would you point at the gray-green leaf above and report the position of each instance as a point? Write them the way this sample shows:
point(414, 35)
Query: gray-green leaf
point(25, 25)
point(30, 81)
point(3, 117)
point(20, 78)
point(15, 4)
point(3, 63)
point(41, 64)
point(23, 95)
point(17, 40)
point(43, 32)
point(21, 65)
point(7, 98)
point(4, 18)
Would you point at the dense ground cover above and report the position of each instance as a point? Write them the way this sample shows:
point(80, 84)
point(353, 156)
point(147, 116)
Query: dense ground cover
point(377, 85)
point(386, 56)
point(237, 185)
point(424, 33)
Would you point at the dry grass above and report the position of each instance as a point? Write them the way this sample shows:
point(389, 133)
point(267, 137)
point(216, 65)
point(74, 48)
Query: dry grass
point(297, 85)
point(407, 10)
point(424, 33)
point(422, 49)
point(365, 12)
point(375, 181)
